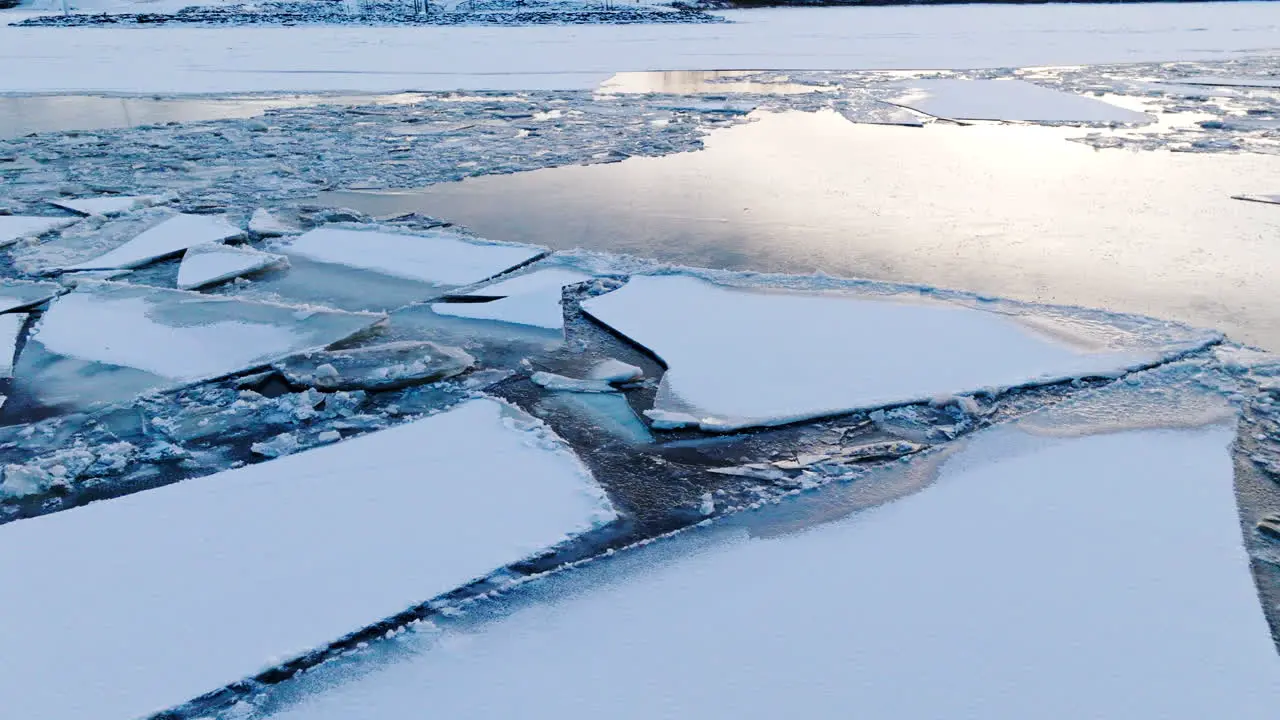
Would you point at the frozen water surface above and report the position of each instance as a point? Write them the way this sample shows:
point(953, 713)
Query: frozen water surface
point(170, 237)
point(105, 205)
point(1070, 577)
point(145, 601)
point(1009, 100)
point(10, 328)
point(213, 263)
point(738, 358)
point(16, 227)
point(531, 299)
point(18, 294)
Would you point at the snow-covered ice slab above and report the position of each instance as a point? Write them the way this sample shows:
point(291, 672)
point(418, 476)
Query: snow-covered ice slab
point(106, 205)
point(1273, 199)
point(122, 608)
point(531, 299)
point(210, 264)
point(437, 257)
point(16, 227)
point(170, 237)
point(10, 328)
point(1090, 577)
point(739, 358)
point(1014, 100)
point(18, 294)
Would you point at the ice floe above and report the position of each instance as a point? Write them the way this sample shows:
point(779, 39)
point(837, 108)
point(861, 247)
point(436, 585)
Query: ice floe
point(1014, 100)
point(738, 358)
point(170, 237)
point(1067, 576)
point(10, 328)
point(124, 607)
point(212, 263)
point(437, 257)
point(531, 299)
point(375, 367)
point(552, 381)
point(17, 227)
point(19, 294)
point(264, 224)
point(106, 205)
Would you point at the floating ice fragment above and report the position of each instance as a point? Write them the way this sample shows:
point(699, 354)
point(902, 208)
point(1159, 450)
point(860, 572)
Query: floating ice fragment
point(530, 299)
point(552, 381)
point(223, 563)
point(20, 294)
point(879, 113)
point(212, 263)
point(17, 227)
point(439, 257)
point(615, 371)
point(10, 328)
point(669, 420)
point(278, 446)
point(107, 204)
point(265, 224)
point(376, 367)
point(1014, 100)
point(170, 237)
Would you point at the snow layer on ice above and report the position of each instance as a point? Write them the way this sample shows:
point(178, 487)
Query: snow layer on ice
point(183, 336)
point(439, 257)
point(1009, 100)
point(738, 358)
point(16, 294)
point(1063, 578)
point(105, 205)
point(10, 328)
point(531, 299)
point(213, 263)
point(170, 237)
point(16, 227)
point(122, 608)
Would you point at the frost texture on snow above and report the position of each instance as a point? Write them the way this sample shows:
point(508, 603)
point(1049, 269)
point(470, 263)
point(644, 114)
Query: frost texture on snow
point(212, 263)
point(182, 336)
point(1063, 578)
point(170, 237)
point(1015, 100)
point(128, 606)
point(532, 299)
point(18, 294)
point(738, 358)
point(438, 257)
point(10, 327)
point(16, 227)
point(105, 205)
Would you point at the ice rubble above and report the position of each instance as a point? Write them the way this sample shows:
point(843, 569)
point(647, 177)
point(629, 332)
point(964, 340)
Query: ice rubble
point(146, 601)
point(437, 257)
point(17, 227)
point(212, 263)
point(19, 294)
point(105, 205)
point(531, 299)
point(170, 237)
point(375, 367)
point(1014, 100)
point(738, 358)
point(10, 328)
point(1068, 576)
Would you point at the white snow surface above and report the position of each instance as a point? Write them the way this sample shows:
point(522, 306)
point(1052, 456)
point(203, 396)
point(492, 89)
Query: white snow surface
point(10, 328)
point(214, 263)
point(1037, 578)
point(438, 257)
point(16, 227)
point(183, 336)
point(382, 59)
point(122, 608)
point(170, 237)
point(738, 358)
point(16, 294)
point(105, 205)
point(1005, 99)
point(530, 299)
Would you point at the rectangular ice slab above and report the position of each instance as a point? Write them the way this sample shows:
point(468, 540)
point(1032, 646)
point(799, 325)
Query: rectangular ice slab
point(214, 263)
point(16, 227)
point(1008, 100)
point(1094, 577)
point(738, 358)
point(170, 237)
point(438, 257)
point(531, 299)
point(105, 205)
point(125, 607)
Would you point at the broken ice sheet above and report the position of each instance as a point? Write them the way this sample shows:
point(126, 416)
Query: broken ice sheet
point(16, 227)
point(1013, 100)
point(212, 263)
point(109, 341)
point(170, 237)
point(874, 112)
point(10, 328)
point(376, 367)
point(530, 299)
point(198, 584)
point(739, 358)
point(19, 294)
point(106, 204)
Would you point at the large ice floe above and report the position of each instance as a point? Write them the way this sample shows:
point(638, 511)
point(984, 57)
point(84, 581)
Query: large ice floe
point(1067, 573)
point(1015, 100)
point(17, 227)
point(170, 237)
point(125, 607)
point(106, 204)
point(530, 299)
point(108, 341)
point(744, 357)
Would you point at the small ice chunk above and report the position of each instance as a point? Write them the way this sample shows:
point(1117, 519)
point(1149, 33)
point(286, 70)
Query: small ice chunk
point(23, 480)
point(278, 446)
point(615, 371)
point(708, 505)
point(213, 263)
point(19, 294)
point(530, 299)
point(264, 224)
point(377, 367)
point(552, 381)
point(10, 327)
point(107, 204)
point(1014, 100)
point(170, 237)
point(668, 420)
point(17, 227)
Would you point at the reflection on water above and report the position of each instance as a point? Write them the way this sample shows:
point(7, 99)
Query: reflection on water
point(58, 113)
point(1005, 210)
point(695, 82)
